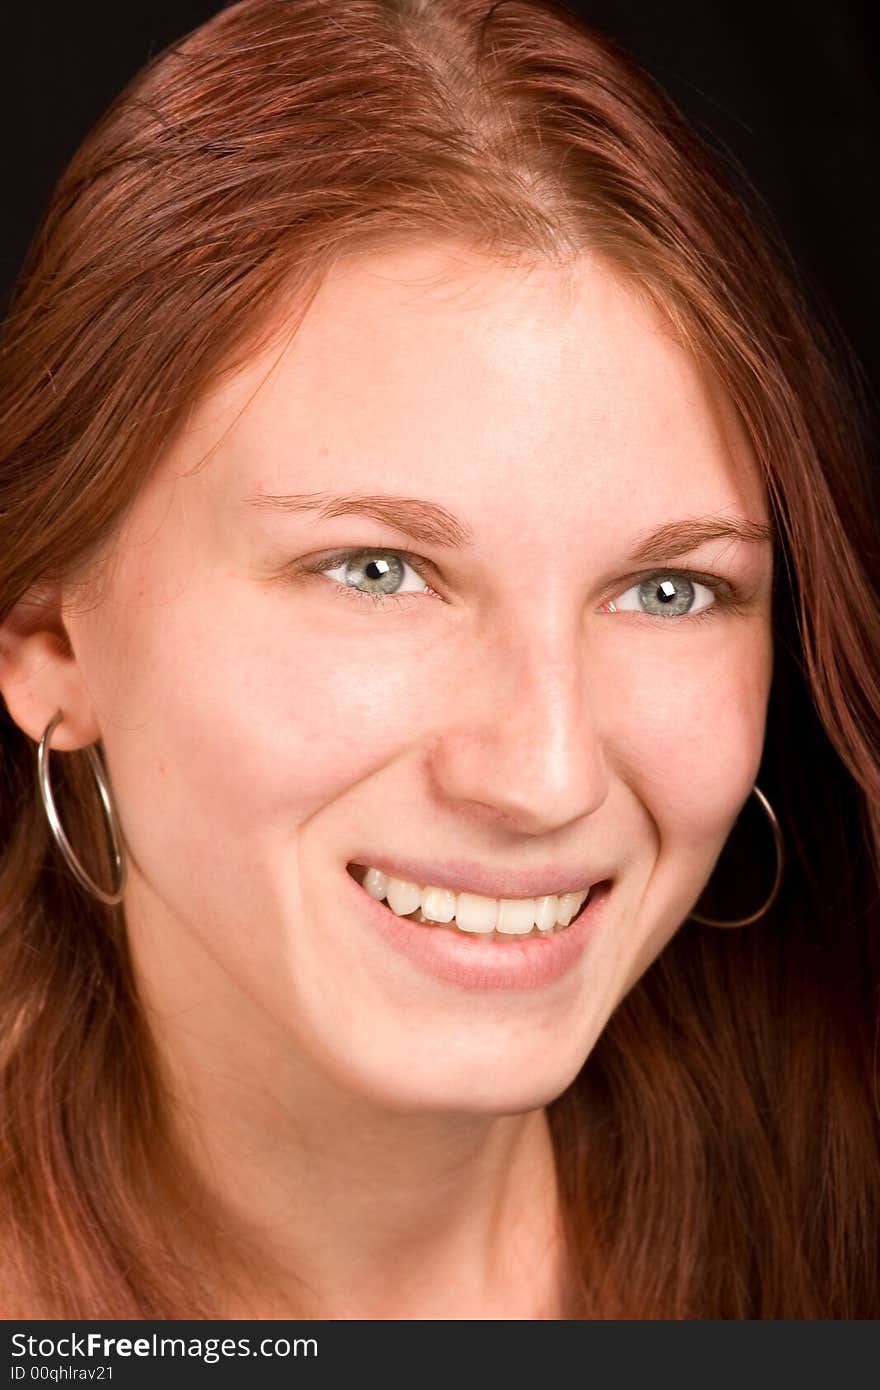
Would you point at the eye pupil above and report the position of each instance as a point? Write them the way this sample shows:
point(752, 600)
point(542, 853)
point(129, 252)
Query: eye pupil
point(385, 572)
point(668, 596)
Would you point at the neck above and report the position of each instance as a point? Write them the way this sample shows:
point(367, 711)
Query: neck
point(318, 1201)
point(331, 1208)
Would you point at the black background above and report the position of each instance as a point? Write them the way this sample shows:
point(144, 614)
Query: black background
point(789, 91)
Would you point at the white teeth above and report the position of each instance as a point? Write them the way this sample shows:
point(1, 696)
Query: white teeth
point(376, 883)
point(545, 912)
point(471, 912)
point(475, 913)
point(403, 897)
point(516, 916)
point(438, 904)
point(568, 906)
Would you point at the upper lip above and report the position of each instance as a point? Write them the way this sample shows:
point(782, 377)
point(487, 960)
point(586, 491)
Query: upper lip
point(464, 876)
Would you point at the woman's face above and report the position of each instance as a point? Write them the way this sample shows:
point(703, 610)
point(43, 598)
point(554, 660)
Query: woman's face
point(537, 706)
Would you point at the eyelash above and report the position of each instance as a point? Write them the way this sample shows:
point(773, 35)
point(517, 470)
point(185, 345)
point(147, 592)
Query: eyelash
point(727, 595)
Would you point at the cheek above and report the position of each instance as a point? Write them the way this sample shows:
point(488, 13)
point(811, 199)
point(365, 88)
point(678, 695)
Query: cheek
point(689, 736)
point(688, 730)
point(241, 713)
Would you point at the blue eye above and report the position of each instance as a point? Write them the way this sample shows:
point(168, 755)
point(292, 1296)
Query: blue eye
point(379, 575)
point(671, 594)
point(375, 574)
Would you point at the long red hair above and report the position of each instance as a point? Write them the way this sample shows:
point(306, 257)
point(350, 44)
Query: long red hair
point(719, 1153)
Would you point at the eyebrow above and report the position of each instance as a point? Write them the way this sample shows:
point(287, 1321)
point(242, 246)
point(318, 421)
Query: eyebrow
point(679, 537)
point(427, 523)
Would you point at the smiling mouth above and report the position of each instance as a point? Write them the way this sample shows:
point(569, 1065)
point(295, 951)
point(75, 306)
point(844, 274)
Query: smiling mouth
point(473, 915)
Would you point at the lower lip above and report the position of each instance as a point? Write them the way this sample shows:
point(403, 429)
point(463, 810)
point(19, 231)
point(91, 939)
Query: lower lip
point(471, 961)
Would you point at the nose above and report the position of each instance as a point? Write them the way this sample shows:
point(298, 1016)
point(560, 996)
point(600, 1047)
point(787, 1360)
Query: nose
point(522, 746)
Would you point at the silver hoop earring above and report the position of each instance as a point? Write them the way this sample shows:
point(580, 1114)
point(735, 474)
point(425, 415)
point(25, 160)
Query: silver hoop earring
point(780, 862)
point(55, 824)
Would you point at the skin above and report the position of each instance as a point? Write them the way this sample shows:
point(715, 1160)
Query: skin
point(360, 1125)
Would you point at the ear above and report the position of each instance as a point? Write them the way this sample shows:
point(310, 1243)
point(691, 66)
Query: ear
point(40, 674)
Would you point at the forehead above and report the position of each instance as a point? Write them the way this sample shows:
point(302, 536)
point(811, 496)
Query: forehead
point(518, 384)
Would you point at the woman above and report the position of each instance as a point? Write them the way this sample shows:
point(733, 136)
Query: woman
point(426, 485)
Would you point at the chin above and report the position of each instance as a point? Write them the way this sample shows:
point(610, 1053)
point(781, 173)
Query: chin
point(448, 1085)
